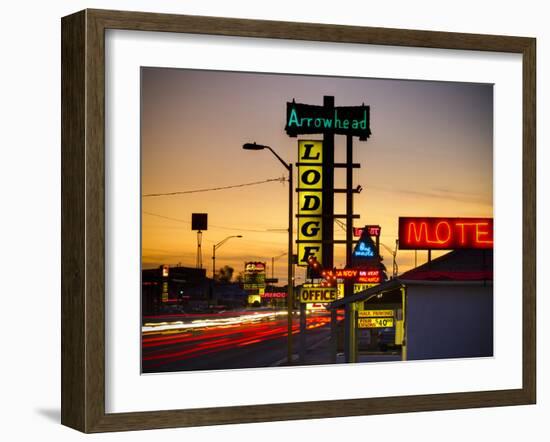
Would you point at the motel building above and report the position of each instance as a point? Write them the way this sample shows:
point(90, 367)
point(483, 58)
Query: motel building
point(441, 309)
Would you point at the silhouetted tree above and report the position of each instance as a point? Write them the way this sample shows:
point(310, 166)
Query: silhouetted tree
point(240, 277)
point(225, 274)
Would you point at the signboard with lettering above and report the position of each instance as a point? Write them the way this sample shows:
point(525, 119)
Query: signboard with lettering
point(375, 322)
point(342, 120)
point(318, 294)
point(375, 313)
point(362, 287)
point(274, 295)
point(371, 230)
point(254, 276)
point(445, 233)
point(310, 200)
point(366, 275)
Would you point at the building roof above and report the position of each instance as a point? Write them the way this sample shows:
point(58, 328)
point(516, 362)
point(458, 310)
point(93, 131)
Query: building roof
point(466, 266)
point(458, 265)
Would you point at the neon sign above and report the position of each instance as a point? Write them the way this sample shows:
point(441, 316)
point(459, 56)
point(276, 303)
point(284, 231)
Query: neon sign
point(364, 250)
point(331, 122)
point(445, 233)
point(371, 230)
point(369, 276)
point(313, 119)
point(274, 295)
point(365, 276)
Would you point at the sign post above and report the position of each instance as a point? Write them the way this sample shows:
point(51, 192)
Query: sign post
point(316, 184)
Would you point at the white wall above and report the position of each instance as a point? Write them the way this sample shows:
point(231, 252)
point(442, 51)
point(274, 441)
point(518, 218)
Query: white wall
point(30, 233)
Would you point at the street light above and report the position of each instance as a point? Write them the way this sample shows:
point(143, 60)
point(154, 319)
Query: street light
point(273, 258)
point(217, 246)
point(290, 289)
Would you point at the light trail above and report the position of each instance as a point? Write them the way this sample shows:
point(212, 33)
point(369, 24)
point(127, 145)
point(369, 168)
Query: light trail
point(166, 343)
point(201, 323)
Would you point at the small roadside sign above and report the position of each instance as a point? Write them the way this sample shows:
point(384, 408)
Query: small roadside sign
point(318, 294)
point(375, 322)
point(375, 313)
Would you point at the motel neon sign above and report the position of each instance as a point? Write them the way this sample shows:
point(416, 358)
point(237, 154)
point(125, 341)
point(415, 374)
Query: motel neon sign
point(445, 233)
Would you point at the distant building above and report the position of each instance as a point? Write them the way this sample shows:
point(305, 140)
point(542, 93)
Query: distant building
point(177, 289)
point(167, 289)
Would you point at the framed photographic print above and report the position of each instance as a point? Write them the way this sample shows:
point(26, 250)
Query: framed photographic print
point(267, 221)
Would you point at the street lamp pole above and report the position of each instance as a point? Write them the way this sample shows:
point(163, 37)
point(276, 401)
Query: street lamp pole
point(273, 258)
point(290, 285)
point(217, 246)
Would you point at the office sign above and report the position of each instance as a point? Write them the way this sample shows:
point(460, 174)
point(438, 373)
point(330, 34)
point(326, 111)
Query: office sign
point(375, 322)
point(304, 119)
point(318, 294)
point(445, 233)
point(310, 200)
point(375, 313)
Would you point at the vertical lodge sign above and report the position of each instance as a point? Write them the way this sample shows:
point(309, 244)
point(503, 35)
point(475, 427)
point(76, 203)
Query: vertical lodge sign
point(310, 200)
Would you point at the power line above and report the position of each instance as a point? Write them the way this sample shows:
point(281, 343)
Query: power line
point(183, 192)
point(236, 229)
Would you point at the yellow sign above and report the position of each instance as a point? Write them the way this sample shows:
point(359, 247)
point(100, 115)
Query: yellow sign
point(375, 322)
point(318, 294)
point(254, 299)
point(310, 200)
point(375, 313)
point(310, 151)
point(310, 228)
point(360, 287)
point(310, 203)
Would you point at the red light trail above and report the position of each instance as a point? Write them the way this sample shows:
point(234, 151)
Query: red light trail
point(168, 346)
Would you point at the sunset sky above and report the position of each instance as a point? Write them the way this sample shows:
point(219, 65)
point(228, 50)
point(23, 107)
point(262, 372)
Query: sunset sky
point(430, 154)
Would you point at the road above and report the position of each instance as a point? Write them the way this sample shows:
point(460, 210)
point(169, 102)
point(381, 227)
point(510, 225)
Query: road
point(222, 341)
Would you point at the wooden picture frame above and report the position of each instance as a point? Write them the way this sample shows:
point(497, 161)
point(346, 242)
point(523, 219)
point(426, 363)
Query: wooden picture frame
point(83, 220)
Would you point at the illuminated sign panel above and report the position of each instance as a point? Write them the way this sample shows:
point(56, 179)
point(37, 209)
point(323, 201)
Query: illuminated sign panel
point(362, 287)
point(310, 203)
point(375, 313)
point(445, 233)
point(369, 276)
point(254, 276)
point(364, 250)
point(313, 119)
point(310, 200)
point(318, 294)
point(274, 295)
point(371, 230)
point(375, 322)
point(365, 276)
